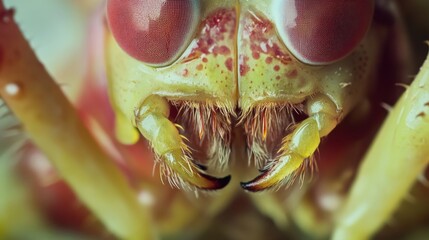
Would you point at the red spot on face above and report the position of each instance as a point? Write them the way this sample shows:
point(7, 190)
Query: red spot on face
point(205, 60)
point(200, 67)
point(256, 55)
point(292, 74)
point(229, 63)
point(244, 67)
point(276, 68)
point(222, 50)
point(185, 72)
point(268, 60)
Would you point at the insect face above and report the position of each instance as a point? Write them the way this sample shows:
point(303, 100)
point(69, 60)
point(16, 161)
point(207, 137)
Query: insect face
point(245, 68)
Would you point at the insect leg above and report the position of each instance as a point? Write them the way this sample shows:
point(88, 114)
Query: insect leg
point(55, 127)
point(163, 135)
point(391, 167)
point(299, 145)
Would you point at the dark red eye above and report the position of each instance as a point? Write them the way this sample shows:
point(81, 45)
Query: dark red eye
point(153, 31)
point(320, 32)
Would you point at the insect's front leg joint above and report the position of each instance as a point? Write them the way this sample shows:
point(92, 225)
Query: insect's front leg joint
point(174, 155)
point(323, 110)
point(298, 146)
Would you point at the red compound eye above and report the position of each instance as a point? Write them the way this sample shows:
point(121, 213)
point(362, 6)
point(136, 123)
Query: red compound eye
point(153, 31)
point(321, 32)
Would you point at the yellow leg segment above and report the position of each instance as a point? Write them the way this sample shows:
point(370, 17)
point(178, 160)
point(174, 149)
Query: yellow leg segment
point(54, 126)
point(397, 157)
point(153, 123)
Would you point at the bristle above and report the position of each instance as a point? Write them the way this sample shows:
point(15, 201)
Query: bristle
point(265, 126)
point(299, 175)
point(198, 123)
point(171, 177)
point(207, 123)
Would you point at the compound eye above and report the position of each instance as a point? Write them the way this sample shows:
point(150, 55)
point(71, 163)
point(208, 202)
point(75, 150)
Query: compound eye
point(155, 32)
point(321, 32)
